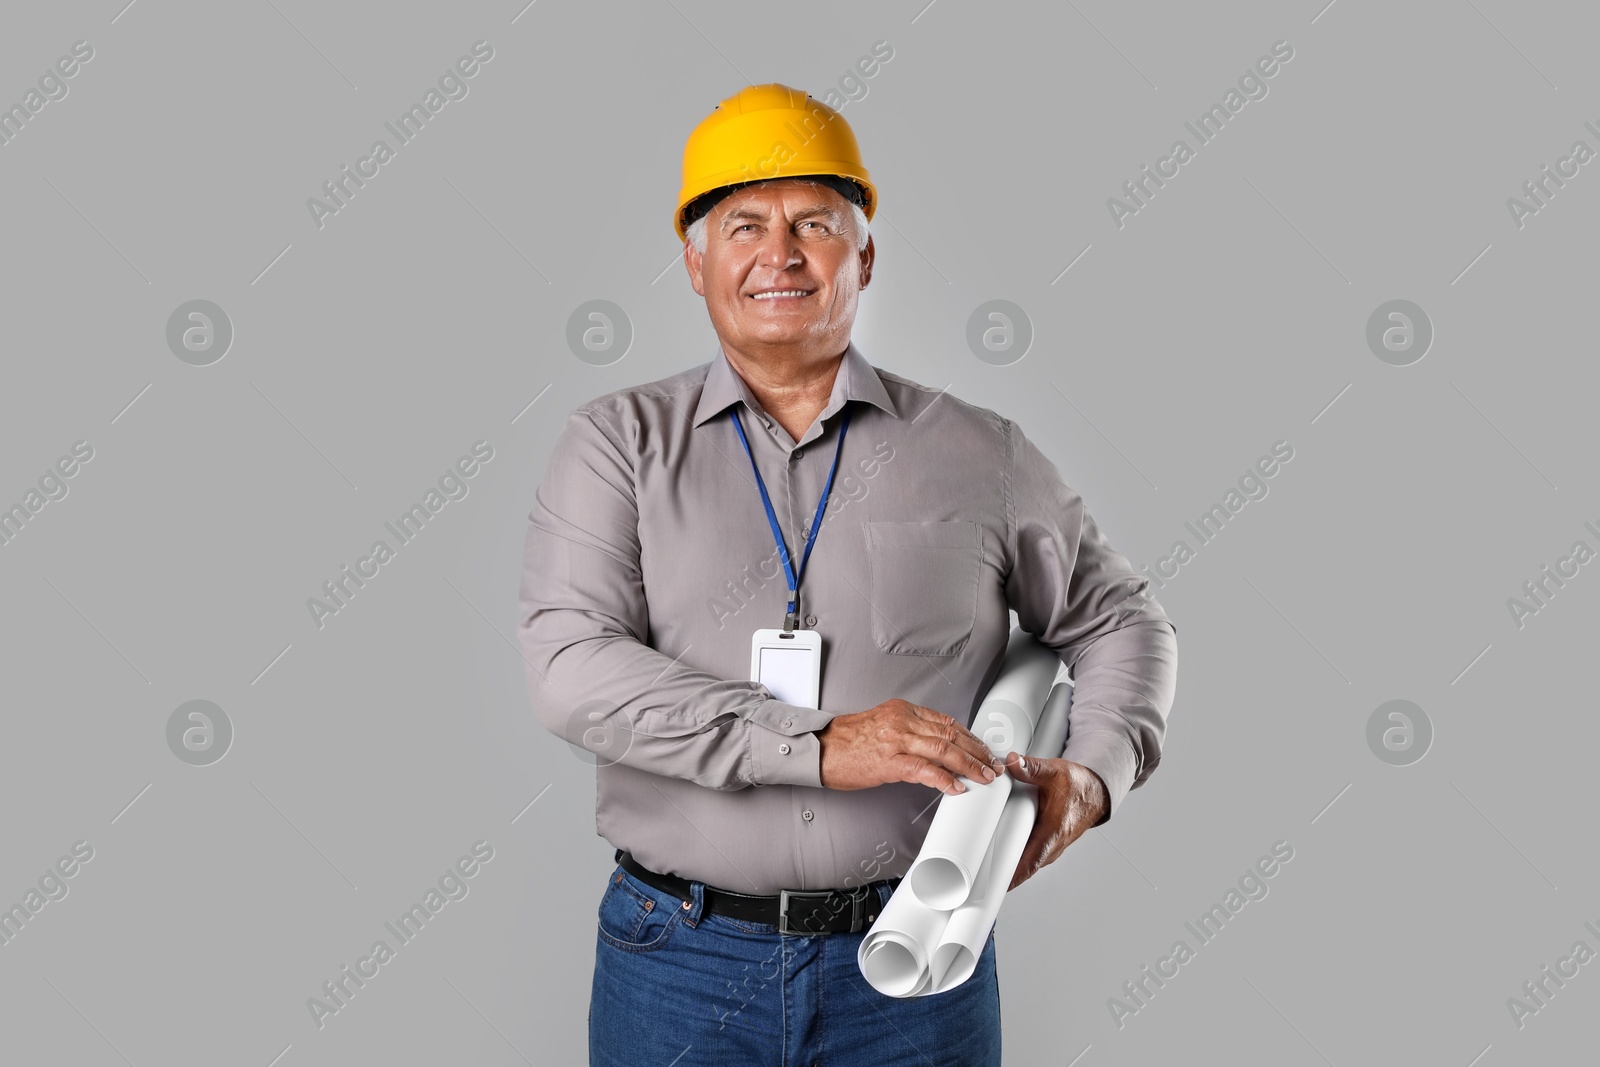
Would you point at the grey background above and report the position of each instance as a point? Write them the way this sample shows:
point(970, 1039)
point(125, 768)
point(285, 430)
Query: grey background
point(369, 354)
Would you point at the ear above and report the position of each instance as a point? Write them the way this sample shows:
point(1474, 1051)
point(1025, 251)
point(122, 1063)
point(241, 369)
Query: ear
point(867, 255)
point(694, 260)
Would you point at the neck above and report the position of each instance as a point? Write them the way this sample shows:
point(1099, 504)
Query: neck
point(792, 391)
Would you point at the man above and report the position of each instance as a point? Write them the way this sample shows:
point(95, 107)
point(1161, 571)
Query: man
point(651, 562)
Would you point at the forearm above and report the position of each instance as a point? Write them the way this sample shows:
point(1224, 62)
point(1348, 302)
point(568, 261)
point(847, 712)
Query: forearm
point(660, 715)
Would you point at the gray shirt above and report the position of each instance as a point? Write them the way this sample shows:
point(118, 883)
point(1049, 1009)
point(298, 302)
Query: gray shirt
point(649, 562)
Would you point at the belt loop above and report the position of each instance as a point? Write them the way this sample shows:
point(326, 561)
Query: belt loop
point(697, 903)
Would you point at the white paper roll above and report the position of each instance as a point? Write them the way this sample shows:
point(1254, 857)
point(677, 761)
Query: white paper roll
point(949, 945)
point(956, 954)
point(894, 955)
point(1050, 736)
point(963, 825)
point(946, 867)
point(1005, 720)
point(916, 950)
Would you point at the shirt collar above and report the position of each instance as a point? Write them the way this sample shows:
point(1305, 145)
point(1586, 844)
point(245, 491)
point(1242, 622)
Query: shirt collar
point(856, 380)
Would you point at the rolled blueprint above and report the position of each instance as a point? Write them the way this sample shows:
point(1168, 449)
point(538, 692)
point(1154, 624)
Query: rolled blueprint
point(916, 950)
point(895, 956)
point(956, 953)
point(946, 867)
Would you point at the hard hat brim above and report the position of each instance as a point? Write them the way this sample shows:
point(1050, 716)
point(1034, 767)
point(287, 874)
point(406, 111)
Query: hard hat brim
point(699, 206)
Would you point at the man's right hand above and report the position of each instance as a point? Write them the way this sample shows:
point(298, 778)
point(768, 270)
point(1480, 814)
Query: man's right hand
point(899, 741)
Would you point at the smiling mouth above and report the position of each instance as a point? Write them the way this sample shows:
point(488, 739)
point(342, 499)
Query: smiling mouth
point(782, 294)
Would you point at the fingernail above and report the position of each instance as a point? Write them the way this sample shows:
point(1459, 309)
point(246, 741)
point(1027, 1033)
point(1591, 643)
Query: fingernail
point(988, 774)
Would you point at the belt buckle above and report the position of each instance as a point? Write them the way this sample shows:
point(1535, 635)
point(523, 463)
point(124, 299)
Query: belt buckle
point(857, 898)
point(785, 896)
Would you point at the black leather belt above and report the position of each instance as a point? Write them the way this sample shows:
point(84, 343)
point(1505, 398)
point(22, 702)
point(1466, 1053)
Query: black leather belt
point(823, 911)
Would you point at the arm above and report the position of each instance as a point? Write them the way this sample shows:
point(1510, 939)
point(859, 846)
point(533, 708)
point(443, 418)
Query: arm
point(1080, 597)
point(583, 622)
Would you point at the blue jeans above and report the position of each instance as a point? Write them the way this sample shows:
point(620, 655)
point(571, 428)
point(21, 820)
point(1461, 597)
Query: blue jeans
point(675, 987)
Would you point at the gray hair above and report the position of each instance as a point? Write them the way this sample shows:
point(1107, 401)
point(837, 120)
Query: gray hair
point(696, 232)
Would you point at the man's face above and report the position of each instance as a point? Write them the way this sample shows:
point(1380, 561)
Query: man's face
point(781, 236)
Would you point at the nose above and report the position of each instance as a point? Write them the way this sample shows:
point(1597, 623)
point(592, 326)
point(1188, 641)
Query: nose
point(780, 249)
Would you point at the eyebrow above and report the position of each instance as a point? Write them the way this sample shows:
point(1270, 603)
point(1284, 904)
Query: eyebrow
point(748, 214)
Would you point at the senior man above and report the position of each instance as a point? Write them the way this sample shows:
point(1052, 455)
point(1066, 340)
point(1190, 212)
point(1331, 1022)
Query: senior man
point(789, 491)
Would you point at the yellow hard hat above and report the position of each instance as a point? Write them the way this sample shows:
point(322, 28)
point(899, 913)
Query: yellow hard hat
point(764, 132)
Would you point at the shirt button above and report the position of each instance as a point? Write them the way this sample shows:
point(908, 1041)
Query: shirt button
point(811, 620)
point(795, 454)
point(783, 749)
point(806, 815)
point(787, 723)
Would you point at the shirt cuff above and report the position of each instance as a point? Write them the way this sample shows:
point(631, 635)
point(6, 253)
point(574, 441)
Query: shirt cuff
point(1111, 756)
point(784, 748)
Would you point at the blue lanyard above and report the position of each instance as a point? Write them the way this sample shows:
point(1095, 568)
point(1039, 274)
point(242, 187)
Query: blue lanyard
point(789, 571)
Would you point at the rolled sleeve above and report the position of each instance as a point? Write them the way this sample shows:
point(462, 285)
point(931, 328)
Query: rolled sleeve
point(1080, 597)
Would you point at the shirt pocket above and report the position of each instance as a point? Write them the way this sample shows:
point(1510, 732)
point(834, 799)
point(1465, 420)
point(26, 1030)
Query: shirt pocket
point(924, 588)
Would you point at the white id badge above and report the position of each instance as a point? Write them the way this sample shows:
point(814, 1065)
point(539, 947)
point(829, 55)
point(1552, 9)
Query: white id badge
point(789, 664)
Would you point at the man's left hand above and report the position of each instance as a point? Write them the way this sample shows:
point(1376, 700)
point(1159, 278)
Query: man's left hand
point(1072, 798)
